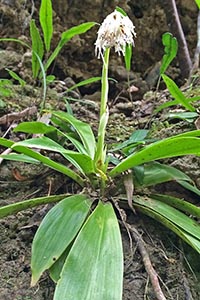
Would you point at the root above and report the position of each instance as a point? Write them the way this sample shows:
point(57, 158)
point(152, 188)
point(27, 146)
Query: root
point(147, 263)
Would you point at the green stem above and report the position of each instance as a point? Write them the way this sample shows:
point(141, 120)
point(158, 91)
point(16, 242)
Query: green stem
point(100, 152)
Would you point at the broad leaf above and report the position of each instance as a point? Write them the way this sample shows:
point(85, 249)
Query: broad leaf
point(83, 129)
point(81, 161)
point(137, 137)
point(66, 36)
point(176, 93)
point(94, 266)
point(128, 56)
point(180, 204)
point(56, 268)
point(170, 147)
point(16, 41)
point(34, 128)
point(42, 128)
point(22, 205)
point(171, 47)
point(182, 225)
point(198, 3)
point(175, 102)
point(49, 162)
point(57, 230)
point(37, 47)
point(84, 82)
point(19, 157)
point(46, 21)
point(15, 76)
point(187, 116)
point(6, 143)
point(155, 173)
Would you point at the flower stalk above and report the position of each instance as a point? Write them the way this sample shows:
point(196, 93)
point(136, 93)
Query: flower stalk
point(104, 113)
point(116, 31)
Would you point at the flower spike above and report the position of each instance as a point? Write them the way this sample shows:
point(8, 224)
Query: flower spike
point(117, 31)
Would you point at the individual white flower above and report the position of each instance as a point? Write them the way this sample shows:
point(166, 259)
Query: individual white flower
point(116, 31)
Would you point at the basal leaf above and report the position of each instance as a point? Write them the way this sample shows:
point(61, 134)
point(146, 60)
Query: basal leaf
point(34, 128)
point(94, 266)
point(83, 129)
point(176, 93)
point(128, 56)
point(37, 48)
point(66, 36)
point(171, 46)
point(81, 161)
point(6, 143)
point(56, 268)
point(46, 21)
point(182, 225)
point(120, 10)
point(178, 203)
point(198, 3)
point(84, 82)
point(58, 228)
point(19, 157)
point(30, 203)
point(170, 147)
point(49, 162)
point(15, 76)
point(155, 173)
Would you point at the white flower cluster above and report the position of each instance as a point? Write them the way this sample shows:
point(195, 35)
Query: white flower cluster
point(116, 31)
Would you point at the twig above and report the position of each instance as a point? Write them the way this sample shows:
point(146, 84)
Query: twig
point(197, 52)
point(7, 151)
point(147, 263)
point(16, 116)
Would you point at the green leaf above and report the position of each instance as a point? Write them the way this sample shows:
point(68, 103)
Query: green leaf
point(37, 48)
point(57, 230)
point(16, 41)
point(41, 128)
point(46, 21)
point(50, 78)
point(182, 225)
point(128, 56)
point(49, 162)
point(187, 116)
point(6, 143)
point(83, 129)
point(94, 266)
point(136, 138)
point(170, 147)
point(84, 82)
point(171, 47)
point(34, 128)
point(16, 77)
point(56, 268)
point(180, 204)
point(19, 157)
point(66, 36)
point(176, 93)
point(81, 161)
point(175, 102)
point(14, 208)
point(120, 10)
point(198, 3)
point(155, 173)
